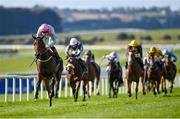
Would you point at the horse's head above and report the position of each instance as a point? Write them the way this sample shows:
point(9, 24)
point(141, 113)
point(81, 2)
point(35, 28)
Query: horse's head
point(151, 62)
point(131, 57)
point(87, 56)
point(112, 65)
point(72, 66)
point(39, 45)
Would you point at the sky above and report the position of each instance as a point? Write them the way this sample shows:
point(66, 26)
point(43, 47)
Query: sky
point(86, 4)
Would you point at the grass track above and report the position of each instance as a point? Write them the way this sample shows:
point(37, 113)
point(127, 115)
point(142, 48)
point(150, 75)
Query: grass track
point(98, 106)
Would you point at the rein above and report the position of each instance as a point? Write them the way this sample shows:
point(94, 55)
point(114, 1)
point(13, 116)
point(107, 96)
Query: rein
point(46, 60)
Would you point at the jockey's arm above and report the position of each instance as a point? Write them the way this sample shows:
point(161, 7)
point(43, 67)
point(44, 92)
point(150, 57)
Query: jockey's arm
point(67, 51)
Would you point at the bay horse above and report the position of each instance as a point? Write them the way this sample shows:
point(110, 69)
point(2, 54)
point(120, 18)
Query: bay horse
point(114, 77)
point(75, 76)
point(154, 75)
point(171, 71)
point(46, 68)
point(133, 74)
point(94, 72)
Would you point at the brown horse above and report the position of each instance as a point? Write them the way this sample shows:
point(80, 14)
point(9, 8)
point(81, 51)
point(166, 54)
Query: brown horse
point(171, 71)
point(114, 77)
point(134, 73)
point(75, 76)
point(46, 67)
point(153, 75)
point(94, 71)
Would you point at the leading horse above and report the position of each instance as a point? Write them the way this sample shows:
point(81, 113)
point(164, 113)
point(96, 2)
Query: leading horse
point(94, 71)
point(46, 67)
point(133, 73)
point(75, 76)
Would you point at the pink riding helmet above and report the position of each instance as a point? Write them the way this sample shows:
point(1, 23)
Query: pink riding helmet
point(45, 28)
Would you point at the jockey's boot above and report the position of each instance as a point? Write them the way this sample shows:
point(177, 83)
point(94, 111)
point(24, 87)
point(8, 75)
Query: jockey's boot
point(56, 55)
point(84, 68)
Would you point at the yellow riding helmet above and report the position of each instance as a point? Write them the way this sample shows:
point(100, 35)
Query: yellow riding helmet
point(152, 50)
point(133, 43)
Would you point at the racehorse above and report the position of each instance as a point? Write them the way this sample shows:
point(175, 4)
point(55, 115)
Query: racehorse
point(133, 73)
point(94, 71)
point(171, 71)
point(114, 77)
point(75, 76)
point(153, 75)
point(46, 68)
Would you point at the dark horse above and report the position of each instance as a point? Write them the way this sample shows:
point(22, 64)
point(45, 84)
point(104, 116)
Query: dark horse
point(94, 71)
point(153, 75)
point(46, 67)
point(171, 71)
point(75, 76)
point(114, 77)
point(134, 73)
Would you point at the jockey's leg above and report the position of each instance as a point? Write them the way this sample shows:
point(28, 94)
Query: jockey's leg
point(84, 67)
point(140, 63)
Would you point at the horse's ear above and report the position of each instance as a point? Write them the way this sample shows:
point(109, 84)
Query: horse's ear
point(34, 37)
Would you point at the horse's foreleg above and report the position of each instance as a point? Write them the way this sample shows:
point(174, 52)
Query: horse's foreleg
point(46, 81)
point(143, 86)
point(52, 86)
point(84, 90)
point(129, 88)
point(97, 85)
point(136, 89)
point(37, 87)
point(154, 87)
point(158, 84)
point(58, 78)
point(110, 87)
point(171, 87)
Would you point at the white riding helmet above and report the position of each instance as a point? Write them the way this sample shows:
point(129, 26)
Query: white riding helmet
point(73, 41)
point(113, 55)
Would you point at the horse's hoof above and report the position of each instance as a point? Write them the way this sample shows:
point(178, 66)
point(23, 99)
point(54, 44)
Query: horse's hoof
point(84, 100)
point(36, 97)
point(155, 93)
point(129, 95)
point(75, 100)
point(144, 93)
point(165, 91)
point(98, 93)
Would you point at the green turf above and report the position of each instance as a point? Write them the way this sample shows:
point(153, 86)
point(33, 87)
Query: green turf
point(148, 106)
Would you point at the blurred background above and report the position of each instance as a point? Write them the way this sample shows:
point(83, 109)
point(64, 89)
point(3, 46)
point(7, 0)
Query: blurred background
point(102, 25)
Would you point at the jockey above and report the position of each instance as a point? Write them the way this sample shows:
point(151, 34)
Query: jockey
point(151, 52)
point(136, 48)
point(47, 31)
point(113, 56)
point(75, 49)
point(171, 54)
